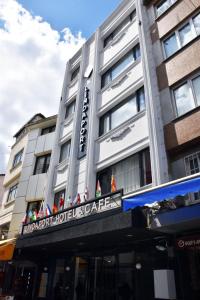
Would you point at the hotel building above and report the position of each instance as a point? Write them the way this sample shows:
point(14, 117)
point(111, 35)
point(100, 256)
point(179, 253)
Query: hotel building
point(127, 125)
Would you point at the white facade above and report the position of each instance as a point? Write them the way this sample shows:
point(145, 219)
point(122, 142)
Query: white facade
point(118, 36)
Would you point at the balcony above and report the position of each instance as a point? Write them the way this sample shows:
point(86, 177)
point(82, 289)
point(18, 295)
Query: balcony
point(183, 132)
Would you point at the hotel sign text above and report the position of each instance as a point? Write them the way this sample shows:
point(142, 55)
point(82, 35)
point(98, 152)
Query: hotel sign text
point(78, 212)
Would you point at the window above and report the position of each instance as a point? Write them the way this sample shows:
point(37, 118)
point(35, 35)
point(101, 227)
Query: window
point(192, 166)
point(163, 6)
point(74, 73)
point(32, 211)
point(48, 130)
point(42, 164)
point(120, 66)
point(119, 28)
point(12, 193)
point(122, 112)
point(182, 36)
point(70, 109)
point(58, 199)
point(130, 174)
point(17, 158)
point(65, 151)
point(187, 96)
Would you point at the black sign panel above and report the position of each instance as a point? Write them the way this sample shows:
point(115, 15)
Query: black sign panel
point(84, 125)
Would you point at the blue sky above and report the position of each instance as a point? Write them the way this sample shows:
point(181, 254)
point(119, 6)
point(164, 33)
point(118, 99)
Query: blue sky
point(37, 37)
point(79, 15)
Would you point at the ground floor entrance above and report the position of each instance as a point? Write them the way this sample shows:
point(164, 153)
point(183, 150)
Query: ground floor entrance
point(124, 275)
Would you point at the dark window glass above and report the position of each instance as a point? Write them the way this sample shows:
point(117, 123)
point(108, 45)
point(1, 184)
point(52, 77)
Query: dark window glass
point(18, 158)
point(70, 108)
point(12, 193)
point(122, 112)
point(130, 174)
point(120, 66)
point(57, 197)
point(32, 210)
point(42, 164)
point(48, 130)
point(119, 28)
point(74, 73)
point(65, 151)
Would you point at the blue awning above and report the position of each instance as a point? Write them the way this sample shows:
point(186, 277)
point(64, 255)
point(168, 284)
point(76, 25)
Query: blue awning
point(166, 192)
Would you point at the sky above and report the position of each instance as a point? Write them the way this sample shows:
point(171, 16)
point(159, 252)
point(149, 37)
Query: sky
point(37, 37)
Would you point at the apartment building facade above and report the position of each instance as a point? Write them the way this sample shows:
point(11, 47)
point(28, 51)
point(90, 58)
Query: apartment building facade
point(127, 122)
point(24, 184)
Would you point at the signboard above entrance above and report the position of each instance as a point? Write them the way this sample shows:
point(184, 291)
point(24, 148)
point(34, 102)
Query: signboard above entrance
point(86, 209)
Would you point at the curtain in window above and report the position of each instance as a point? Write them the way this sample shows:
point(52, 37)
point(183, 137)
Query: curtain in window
point(127, 174)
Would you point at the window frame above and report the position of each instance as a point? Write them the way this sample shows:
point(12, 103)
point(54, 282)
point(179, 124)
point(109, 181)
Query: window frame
point(189, 81)
point(172, 2)
point(71, 104)
point(109, 113)
point(109, 73)
point(108, 172)
point(16, 160)
point(11, 189)
point(38, 204)
point(68, 142)
point(117, 31)
point(45, 166)
point(177, 35)
point(57, 196)
point(50, 129)
point(74, 73)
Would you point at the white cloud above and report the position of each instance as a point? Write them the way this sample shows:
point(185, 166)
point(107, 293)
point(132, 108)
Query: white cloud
point(32, 62)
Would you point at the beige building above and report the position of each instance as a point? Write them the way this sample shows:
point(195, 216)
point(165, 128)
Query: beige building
point(26, 172)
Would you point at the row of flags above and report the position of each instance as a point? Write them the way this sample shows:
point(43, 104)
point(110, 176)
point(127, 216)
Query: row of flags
point(112, 184)
point(45, 210)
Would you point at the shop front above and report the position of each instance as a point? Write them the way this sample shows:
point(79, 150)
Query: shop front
point(106, 254)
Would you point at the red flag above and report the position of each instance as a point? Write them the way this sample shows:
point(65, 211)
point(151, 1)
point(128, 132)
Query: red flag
point(113, 184)
point(61, 202)
point(78, 199)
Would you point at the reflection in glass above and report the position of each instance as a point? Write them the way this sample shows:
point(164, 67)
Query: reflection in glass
point(170, 45)
point(196, 21)
point(196, 85)
point(186, 34)
point(184, 99)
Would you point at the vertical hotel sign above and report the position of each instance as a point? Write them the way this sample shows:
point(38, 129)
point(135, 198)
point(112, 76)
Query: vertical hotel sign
point(84, 125)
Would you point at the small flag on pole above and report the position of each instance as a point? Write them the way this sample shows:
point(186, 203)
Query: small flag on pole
point(86, 194)
point(78, 199)
point(61, 202)
point(113, 184)
point(34, 216)
point(98, 190)
point(41, 211)
point(68, 202)
point(48, 210)
point(54, 208)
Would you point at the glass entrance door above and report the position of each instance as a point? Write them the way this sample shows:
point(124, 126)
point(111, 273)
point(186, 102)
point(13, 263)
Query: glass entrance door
point(106, 277)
